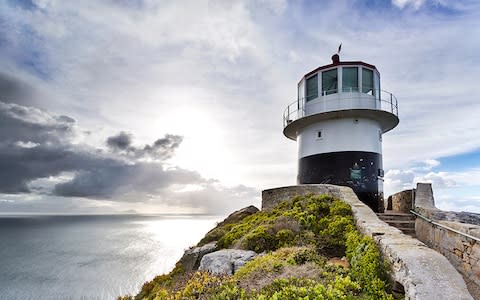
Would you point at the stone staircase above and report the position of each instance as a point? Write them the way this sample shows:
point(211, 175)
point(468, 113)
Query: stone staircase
point(403, 221)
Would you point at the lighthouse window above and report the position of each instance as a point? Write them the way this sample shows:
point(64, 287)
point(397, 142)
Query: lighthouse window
point(312, 87)
point(350, 79)
point(329, 82)
point(367, 81)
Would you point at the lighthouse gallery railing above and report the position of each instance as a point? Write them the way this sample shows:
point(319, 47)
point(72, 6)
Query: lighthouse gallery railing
point(381, 100)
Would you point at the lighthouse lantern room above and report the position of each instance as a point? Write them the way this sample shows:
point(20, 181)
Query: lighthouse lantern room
point(338, 120)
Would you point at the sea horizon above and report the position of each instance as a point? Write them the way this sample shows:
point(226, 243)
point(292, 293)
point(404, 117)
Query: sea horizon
point(91, 256)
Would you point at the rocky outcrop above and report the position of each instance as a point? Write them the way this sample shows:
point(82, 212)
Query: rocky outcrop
point(191, 258)
point(223, 227)
point(238, 215)
point(226, 261)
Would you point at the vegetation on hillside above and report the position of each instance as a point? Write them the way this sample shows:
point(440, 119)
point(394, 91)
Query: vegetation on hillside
point(301, 242)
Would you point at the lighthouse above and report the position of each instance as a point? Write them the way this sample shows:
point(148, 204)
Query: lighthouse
point(338, 121)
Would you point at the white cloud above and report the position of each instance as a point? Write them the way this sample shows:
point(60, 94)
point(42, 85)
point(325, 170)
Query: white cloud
point(431, 163)
point(403, 3)
point(438, 179)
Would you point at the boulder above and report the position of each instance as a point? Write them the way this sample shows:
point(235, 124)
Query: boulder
point(226, 261)
point(191, 258)
point(238, 215)
point(233, 218)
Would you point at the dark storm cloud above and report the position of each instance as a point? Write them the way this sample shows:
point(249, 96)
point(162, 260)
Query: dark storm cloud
point(28, 124)
point(125, 180)
point(35, 144)
point(162, 148)
point(15, 90)
point(121, 141)
point(19, 164)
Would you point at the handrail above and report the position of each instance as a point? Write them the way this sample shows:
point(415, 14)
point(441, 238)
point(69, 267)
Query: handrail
point(445, 227)
point(297, 109)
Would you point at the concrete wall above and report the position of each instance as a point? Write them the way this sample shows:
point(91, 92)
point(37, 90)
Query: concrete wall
point(463, 252)
point(423, 272)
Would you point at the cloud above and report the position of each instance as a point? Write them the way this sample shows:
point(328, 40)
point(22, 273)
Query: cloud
point(438, 179)
point(162, 148)
point(15, 90)
point(29, 124)
point(403, 3)
point(120, 142)
point(430, 164)
point(37, 149)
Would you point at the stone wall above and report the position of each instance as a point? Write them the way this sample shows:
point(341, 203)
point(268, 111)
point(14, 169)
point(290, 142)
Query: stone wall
point(462, 251)
point(403, 201)
point(423, 272)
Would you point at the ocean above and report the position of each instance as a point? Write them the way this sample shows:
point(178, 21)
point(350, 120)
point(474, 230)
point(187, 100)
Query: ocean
point(91, 256)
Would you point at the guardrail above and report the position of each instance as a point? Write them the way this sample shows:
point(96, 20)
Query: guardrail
point(376, 100)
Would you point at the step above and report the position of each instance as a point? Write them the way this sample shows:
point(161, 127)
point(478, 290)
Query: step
point(391, 212)
point(405, 217)
point(397, 223)
point(409, 231)
point(397, 215)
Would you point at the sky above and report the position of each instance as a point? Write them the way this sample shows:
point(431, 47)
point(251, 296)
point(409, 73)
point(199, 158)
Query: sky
point(176, 106)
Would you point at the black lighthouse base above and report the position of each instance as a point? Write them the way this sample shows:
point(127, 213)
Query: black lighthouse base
point(356, 169)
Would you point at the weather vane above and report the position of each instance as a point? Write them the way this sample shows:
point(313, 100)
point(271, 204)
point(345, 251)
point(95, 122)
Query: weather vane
point(339, 48)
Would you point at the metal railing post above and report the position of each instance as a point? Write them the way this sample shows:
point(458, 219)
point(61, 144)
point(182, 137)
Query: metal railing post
point(391, 102)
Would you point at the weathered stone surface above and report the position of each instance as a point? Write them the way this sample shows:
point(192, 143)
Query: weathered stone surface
point(226, 261)
point(423, 272)
point(191, 257)
point(239, 215)
point(402, 201)
point(424, 202)
point(233, 218)
point(388, 203)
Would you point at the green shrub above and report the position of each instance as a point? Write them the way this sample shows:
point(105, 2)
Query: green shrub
point(367, 267)
point(285, 237)
point(304, 220)
point(260, 239)
point(295, 288)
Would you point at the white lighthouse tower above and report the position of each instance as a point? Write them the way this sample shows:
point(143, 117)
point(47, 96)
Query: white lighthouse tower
point(338, 120)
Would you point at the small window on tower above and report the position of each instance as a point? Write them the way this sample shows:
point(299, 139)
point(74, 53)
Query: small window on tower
point(329, 82)
point(350, 79)
point(367, 81)
point(319, 134)
point(312, 87)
